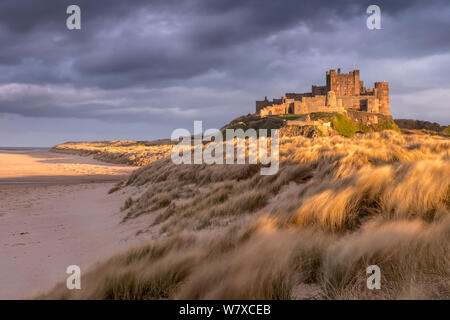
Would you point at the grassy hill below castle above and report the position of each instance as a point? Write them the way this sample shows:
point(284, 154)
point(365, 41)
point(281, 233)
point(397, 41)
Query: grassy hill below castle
point(313, 124)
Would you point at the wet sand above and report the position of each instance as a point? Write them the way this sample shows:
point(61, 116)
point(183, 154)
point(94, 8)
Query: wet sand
point(55, 211)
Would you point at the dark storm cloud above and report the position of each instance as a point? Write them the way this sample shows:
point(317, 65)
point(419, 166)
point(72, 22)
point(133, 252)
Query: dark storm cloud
point(188, 37)
point(205, 58)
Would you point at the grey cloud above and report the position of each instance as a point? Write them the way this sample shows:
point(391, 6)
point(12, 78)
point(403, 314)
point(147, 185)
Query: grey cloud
point(208, 59)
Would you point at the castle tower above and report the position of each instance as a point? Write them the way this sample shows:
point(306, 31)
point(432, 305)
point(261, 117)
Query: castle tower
point(343, 84)
point(381, 92)
point(330, 76)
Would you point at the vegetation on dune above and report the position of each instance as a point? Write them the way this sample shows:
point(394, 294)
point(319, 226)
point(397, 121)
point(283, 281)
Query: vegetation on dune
point(387, 125)
point(336, 206)
point(259, 124)
point(446, 131)
point(418, 125)
point(363, 128)
point(138, 153)
point(128, 203)
point(344, 125)
point(324, 116)
point(290, 116)
point(422, 127)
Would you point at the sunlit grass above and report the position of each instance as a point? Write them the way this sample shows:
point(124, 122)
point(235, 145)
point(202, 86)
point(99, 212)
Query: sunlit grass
point(336, 206)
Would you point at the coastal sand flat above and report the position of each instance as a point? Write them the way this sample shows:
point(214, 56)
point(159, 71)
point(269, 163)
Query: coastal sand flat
point(43, 166)
point(53, 218)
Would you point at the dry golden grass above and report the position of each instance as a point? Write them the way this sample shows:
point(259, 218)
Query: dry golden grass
point(138, 153)
point(336, 206)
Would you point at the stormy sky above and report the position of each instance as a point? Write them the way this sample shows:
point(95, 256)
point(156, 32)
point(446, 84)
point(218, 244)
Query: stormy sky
point(140, 69)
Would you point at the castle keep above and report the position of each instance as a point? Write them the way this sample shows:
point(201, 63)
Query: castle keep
point(343, 92)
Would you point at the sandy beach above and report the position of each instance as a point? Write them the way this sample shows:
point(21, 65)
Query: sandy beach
point(55, 211)
point(40, 166)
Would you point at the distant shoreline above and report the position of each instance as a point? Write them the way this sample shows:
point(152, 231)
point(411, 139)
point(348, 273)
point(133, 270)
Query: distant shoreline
point(63, 182)
point(24, 148)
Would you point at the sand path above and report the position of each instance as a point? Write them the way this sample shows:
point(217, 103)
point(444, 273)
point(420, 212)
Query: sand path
point(51, 217)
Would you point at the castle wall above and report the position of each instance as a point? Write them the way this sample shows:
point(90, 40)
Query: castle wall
point(342, 92)
point(298, 96)
point(262, 104)
point(273, 110)
point(352, 102)
point(306, 105)
point(366, 117)
point(373, 104)
point(313, 104)
point(319, 90)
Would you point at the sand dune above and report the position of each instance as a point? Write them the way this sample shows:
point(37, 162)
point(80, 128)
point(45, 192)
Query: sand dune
point(336, 206)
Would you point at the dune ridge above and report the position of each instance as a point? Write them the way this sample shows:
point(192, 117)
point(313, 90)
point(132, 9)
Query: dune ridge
point(135, 153)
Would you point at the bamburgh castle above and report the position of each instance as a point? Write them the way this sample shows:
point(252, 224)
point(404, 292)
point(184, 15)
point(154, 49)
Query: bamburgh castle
point(343, 92)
